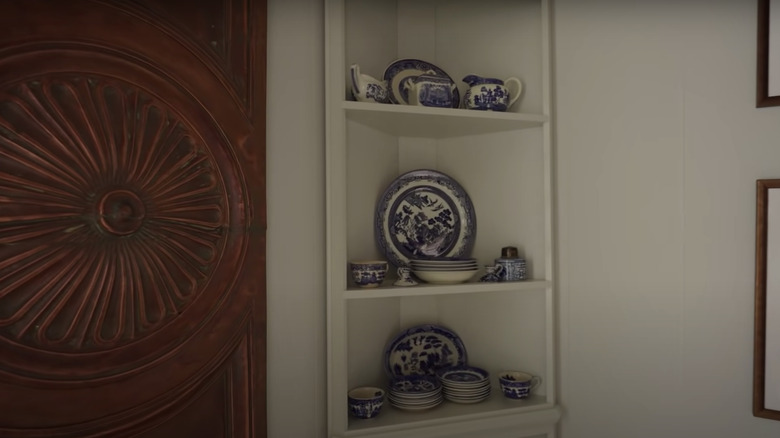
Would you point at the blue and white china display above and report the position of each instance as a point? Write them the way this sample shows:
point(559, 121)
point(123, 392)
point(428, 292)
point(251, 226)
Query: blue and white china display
point(415, 393)
point(414, 384)
point(365, 401)
point(405, 277)
point(445, 277)
point(517, 384)
point(491, 94)
point(492, 274)
point(366, 88)
point(424, 214)
point(512, 267)
point(444, 271)
point(422, 350)
point(430, 89)
point(368, 273)
point(464, 384)
point(444, 264)
point(400, 72)
point(462, 374)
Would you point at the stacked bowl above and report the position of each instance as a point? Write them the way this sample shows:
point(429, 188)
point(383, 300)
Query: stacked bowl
point(464, 384)
point(415, 393)
point(444, 270)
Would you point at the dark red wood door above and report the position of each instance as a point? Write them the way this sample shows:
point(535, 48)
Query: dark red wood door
point(132, 218)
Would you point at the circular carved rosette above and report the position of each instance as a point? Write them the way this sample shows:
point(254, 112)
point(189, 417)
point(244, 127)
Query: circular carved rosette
point(114, 219)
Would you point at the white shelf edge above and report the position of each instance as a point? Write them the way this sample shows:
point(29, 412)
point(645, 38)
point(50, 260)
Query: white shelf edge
point(445, 112)
point(427, 122)
point(443, 289)
point(507, 417)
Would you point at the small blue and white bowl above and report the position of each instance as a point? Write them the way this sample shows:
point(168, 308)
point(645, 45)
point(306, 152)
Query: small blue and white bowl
point(517, 384)
point(365, 401)
point(368, 273)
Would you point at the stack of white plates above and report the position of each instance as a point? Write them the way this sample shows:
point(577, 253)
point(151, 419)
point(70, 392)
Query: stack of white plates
point(444, 270)
point(415, 393)
point(464, 384)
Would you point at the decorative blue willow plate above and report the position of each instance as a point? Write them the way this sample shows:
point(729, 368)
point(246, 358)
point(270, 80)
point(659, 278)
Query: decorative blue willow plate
point(423, 349)
point(401, 71)
point(424, 214)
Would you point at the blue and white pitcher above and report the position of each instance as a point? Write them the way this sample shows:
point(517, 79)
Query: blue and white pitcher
point(366, 88)
point(491, 94)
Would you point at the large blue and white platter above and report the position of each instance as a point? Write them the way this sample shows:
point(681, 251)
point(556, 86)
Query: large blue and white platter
point(424, 214)
point(402, 71)
point(422, 350)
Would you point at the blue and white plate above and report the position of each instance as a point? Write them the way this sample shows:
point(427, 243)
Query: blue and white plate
point(401, 71)
point(423, 349)
point(424, 214)
point(462, 375)
point(414, 385)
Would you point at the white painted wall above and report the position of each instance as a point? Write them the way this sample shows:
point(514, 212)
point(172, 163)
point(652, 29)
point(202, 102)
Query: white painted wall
point(296, 220)
point(659, 146)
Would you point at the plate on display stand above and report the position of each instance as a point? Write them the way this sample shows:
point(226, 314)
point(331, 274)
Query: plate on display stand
point(400, 72)
point(422, 350)
point(424, 214)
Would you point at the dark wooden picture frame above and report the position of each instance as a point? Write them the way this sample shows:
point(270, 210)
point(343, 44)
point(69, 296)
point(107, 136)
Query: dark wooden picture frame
point(764, 71)
point(760, 345)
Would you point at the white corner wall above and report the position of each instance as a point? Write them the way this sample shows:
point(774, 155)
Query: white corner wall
point(659, 145)
point(296, 220)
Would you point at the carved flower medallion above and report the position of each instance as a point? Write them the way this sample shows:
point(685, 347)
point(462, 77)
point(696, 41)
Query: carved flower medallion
point(113, 213)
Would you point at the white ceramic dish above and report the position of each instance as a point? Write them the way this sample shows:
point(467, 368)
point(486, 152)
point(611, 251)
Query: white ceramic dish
point(425, 265)
point(455, 269)
point(442, 261)
point(445, 277)
point(441, 265)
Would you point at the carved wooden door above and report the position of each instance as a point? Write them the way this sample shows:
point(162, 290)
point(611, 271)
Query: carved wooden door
point(132, 218)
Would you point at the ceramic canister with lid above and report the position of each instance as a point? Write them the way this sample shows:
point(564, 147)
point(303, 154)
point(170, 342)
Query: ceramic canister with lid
point(513, 266)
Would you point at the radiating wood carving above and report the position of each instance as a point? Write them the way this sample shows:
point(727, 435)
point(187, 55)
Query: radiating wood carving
point(132, 218)
point(112, 214)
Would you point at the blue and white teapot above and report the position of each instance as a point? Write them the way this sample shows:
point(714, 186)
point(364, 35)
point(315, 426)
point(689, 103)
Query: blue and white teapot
point(491, 94)
point(430, 89)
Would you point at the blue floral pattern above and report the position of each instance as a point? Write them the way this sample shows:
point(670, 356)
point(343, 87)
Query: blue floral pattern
point(463, 373)
point(422, 350)
point(401, 71)
point(365, 408)
point(424, 214)
point(491, 97)
point(414, 384)
point(377, 92)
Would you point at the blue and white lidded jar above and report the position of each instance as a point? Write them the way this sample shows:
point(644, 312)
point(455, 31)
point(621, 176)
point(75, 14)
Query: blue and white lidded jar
point(513, 267)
